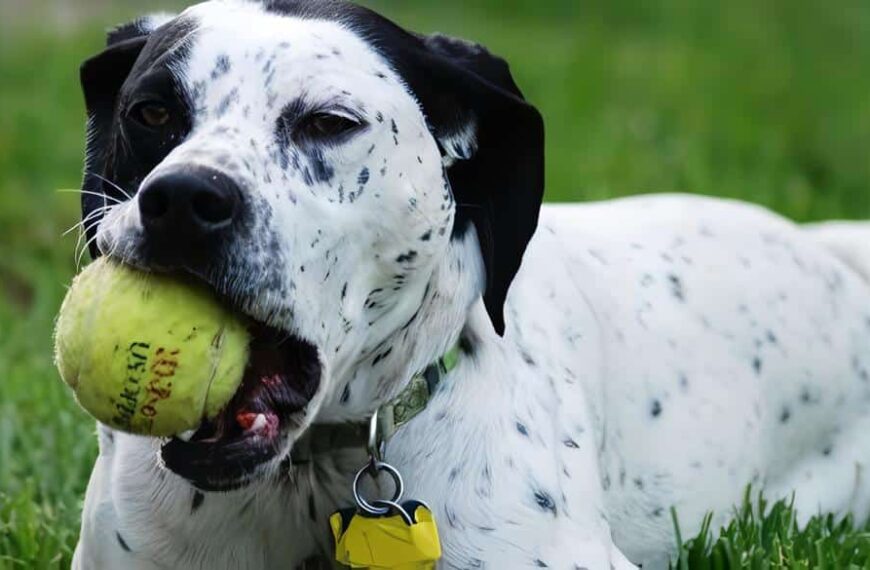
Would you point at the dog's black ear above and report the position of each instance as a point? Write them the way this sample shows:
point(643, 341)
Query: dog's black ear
point(493, 144)
point(103, 74)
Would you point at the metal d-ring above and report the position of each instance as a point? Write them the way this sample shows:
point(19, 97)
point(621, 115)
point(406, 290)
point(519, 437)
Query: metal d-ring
point(372, 469)
point(392, 506)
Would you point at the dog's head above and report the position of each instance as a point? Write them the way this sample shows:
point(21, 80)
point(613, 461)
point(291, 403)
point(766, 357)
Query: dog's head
point(350, 187)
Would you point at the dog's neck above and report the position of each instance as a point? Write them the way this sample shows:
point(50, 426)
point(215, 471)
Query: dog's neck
point(446, 311)
point(383, 372)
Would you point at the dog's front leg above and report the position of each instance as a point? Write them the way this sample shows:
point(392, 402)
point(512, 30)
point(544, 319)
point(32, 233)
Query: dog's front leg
point(139, 516)
point(101, 545)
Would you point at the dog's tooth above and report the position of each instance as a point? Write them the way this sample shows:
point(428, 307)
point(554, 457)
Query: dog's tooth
point(259, 423)
point(187, 435)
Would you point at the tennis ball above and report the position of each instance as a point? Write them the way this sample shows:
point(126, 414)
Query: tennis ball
point(145, 353)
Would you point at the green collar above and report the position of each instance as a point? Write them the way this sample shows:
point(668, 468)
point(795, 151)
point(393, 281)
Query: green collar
point(322, 438)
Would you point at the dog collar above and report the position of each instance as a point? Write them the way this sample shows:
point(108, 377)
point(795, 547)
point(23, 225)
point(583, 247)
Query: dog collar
point(323, 438)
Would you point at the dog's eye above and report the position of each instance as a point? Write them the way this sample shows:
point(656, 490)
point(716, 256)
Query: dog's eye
point(151, 115)
point(328, 126)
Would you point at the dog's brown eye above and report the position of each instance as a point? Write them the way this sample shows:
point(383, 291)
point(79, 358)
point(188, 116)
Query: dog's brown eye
point(329, 126)
point(151, 115)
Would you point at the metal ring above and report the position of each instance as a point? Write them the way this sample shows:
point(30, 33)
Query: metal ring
point(377, 467)
point(396, 507)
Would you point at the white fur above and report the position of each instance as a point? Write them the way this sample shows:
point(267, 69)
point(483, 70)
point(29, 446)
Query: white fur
point(660, 352)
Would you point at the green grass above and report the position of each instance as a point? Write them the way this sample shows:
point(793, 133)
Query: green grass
point(764, 100)
point(762, 536)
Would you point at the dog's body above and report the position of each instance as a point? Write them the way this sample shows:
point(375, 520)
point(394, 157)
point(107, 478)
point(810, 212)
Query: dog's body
point(658, 352)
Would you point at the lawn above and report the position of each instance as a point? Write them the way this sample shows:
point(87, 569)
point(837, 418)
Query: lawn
point(764, 100)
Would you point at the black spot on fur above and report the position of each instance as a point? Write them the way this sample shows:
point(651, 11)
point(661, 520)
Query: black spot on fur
point(222, 66)
point(677, 287)
point(198, 499)
point(684, 382)
point(454, 473)
point(227, 103)
point(545, 502)
point(322, 171)
point(382, 356)
point(522, 429)
point(785, 415)
point(122, 542)
point(656, 408)
point(363, 177)
point(407, 257)
point(806, 397)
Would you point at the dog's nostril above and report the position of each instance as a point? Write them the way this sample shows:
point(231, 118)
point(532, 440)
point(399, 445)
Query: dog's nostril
point(154, 203)
point(213, 207)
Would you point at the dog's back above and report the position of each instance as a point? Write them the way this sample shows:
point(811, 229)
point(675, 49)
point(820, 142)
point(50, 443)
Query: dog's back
point(732, 351)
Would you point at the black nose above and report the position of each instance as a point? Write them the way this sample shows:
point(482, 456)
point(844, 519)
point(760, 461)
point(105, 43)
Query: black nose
point(186, 214)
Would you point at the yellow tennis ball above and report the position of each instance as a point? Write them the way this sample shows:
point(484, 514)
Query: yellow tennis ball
point(146, 353)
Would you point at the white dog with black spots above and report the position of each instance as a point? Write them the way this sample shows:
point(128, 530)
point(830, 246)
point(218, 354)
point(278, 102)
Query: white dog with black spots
point(369, 198)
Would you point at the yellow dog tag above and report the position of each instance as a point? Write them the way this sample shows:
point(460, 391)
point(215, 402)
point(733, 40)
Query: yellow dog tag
point(405, 538)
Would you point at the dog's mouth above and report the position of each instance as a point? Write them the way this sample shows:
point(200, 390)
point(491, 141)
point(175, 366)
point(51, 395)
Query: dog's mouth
point(282, 377)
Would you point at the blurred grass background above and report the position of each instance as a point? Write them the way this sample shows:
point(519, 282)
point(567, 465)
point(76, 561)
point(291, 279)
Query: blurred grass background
point(764, 100)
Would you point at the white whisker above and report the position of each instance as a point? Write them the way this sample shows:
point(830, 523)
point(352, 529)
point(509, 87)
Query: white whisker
point(81, 253)
point(107, 181)
point(93, 214)
point(90, 193)
point(91, 221)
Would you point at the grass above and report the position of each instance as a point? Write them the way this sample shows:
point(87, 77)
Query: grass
point(764, 536)
point(763, 100)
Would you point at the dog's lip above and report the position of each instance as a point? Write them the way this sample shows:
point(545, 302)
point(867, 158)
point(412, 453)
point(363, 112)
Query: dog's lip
point(282, 377)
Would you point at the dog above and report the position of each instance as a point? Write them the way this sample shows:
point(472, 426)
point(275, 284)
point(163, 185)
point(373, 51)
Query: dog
point(370, 200)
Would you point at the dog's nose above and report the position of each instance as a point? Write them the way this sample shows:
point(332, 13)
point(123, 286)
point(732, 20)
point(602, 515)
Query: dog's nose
point(186, 213)
point(195, 202)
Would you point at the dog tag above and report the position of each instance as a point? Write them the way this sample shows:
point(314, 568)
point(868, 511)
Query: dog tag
point(384, 535)
point(404, 538)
